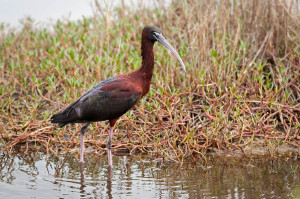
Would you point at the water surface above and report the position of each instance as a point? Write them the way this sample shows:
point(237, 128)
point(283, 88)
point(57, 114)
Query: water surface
point(35, 175)
point(12, 12)
point(45, 12)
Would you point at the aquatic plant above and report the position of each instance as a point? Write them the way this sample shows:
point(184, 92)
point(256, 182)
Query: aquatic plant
point(241, 93)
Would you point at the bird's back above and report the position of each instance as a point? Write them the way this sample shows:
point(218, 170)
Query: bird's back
point(107, 100)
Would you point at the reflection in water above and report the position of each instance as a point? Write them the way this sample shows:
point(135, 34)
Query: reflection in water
point(32, 175)
point(81, 166)
point(108, 183)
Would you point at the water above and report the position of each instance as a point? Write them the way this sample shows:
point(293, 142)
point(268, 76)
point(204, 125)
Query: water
point(43, 11)
point(34, 175)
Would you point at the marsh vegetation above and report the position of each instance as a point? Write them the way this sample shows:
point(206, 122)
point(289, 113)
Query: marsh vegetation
point(241, 93)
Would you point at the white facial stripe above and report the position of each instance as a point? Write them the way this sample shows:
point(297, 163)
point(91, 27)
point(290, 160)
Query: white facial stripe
point(156, 35)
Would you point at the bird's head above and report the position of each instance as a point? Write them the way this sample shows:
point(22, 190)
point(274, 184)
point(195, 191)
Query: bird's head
point(154, 34)
point(151, 32)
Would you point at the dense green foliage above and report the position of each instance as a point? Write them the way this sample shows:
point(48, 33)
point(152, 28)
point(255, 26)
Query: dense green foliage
point(241, 91)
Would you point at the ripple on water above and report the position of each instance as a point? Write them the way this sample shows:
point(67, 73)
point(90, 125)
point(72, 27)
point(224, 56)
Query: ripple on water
point(32, 175)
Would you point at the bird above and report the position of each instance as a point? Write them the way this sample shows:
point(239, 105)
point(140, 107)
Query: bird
point(113, 97)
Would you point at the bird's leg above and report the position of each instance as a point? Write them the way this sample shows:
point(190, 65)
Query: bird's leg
point(82, 141)
point(109, 137)
point(109, 154)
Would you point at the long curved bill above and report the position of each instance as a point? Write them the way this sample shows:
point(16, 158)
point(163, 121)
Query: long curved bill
point(164, 42)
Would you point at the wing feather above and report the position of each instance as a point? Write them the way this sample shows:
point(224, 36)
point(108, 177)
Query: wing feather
point(107, 100)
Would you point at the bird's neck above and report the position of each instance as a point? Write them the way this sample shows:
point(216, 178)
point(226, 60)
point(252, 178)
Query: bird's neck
point(147, 59)
point(145, 72)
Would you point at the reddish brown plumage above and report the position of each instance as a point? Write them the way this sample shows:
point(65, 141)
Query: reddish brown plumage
point(141, 78)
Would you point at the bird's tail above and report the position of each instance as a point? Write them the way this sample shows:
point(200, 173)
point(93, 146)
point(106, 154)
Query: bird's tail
point(62, 118)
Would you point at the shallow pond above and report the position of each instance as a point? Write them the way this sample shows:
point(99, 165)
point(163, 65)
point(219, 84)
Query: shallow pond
point(35, 175)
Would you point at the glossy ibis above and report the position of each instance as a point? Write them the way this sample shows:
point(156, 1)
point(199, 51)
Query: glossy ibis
point(114, 96)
